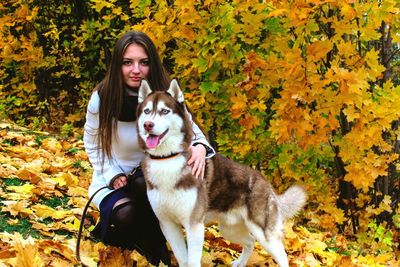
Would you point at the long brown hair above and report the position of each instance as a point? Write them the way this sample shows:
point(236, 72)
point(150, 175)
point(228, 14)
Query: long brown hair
point(111, 88)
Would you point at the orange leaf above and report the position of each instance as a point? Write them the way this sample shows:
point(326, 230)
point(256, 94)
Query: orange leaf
point(27, 253)
point(239, 105)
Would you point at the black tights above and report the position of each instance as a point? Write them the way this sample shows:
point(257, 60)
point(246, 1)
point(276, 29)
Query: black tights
point(131, 223)
point(135, 226)
point(123, 214)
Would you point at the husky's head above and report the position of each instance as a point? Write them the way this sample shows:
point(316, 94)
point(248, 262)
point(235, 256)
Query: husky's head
point(162, 122)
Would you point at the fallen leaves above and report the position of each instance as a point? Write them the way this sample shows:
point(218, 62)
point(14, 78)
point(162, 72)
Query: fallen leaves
point(43, 187)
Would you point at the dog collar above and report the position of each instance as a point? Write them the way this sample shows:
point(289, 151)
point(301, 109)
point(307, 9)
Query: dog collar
point(164, 157)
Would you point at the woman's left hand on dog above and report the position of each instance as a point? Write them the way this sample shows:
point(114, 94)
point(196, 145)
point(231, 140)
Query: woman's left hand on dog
point(197, 160)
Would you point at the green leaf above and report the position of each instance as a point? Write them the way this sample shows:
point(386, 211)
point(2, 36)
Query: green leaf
point(209, 87)
point(201, 64)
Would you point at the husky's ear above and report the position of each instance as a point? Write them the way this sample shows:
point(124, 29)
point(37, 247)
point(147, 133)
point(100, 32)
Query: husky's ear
point(175, 91)
point(144, 91)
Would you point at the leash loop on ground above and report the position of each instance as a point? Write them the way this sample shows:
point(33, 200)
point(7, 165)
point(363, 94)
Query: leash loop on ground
point(78, 240)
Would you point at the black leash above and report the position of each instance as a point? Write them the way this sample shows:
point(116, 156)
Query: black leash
point(78, 240)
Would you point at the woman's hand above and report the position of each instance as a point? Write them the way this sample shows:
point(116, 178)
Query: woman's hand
point(119, 182)
point(197, 160)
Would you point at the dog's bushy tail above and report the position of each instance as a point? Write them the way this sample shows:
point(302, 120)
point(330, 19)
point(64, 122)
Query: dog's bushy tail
point(292, 201)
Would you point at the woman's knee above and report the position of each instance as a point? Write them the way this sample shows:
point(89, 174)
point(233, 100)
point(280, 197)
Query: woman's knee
point(123, 215)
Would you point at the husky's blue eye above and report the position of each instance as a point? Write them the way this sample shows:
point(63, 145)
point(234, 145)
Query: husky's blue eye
point(164, 111)
point(146, 111)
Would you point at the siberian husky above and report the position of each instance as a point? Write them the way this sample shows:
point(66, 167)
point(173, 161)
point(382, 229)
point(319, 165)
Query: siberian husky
point(237, 196)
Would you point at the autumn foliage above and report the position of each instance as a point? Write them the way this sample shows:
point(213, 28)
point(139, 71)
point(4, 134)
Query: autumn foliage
point(306, 91)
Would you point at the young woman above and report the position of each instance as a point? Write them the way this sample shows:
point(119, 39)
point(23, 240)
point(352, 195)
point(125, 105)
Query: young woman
point(126, 217)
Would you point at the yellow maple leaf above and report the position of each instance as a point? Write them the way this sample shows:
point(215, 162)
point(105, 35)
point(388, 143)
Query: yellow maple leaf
point(375, 68)
point(318, 50)
point(346, 49)
point(17, 208)
point(259, 105)
point(27, 252)
point(316, 246)
point(359, 178)
point(279, 130)
point(52, 144)
point(239, 105)
point(98, 5)
point(66, 178)
point(351, 113)
point(50, 246)
point(369, 32)
point(347, 11)
point(43, 211)
point(25, 189)
point(29, 175)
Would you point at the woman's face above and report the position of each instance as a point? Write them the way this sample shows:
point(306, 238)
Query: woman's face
point(135, 65)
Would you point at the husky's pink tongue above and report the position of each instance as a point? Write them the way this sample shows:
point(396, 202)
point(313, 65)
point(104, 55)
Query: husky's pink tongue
point(152, 141)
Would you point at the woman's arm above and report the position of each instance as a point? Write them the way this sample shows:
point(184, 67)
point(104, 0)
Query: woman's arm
point(109, 170)
point(200, 150)
point(200, 138)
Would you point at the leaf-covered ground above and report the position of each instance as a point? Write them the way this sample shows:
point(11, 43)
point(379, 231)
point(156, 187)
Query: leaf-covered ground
point(43, 190)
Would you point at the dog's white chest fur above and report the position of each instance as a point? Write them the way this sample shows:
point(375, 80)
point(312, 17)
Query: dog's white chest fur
point(167, 200)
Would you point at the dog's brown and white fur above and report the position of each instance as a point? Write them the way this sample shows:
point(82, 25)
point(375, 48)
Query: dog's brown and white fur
point(237, 196)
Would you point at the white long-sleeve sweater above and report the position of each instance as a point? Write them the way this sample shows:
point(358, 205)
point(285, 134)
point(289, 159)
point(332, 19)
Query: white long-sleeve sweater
point(125, 150)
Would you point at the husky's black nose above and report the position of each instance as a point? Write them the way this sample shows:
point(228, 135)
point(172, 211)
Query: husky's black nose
point(148, 126)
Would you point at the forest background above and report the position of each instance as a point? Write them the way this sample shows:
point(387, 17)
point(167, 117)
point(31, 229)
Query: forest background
point(306, 91)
